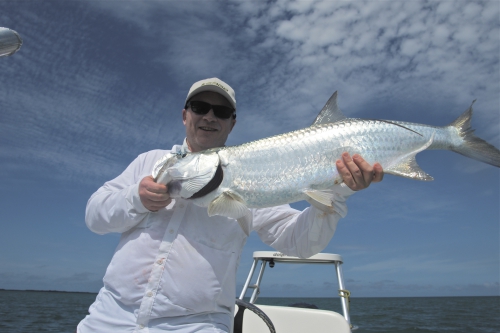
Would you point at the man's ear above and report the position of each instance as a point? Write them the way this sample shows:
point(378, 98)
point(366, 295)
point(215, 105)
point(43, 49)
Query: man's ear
point(184, 116)
point(232, 126)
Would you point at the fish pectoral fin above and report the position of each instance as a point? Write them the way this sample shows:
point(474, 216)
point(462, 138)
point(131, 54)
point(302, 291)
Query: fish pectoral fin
point(323, 197)
point(408, 167)
point(246, 222)
point(228, 204)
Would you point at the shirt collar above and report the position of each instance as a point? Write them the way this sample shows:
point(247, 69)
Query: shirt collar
point(181, 149)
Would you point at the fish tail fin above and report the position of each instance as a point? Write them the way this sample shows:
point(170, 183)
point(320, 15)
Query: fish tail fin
point(471, 145)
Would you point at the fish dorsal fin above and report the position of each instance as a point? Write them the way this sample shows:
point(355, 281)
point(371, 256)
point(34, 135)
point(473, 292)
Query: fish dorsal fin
point(408, 167)
point(399, 125)
point(330, 112)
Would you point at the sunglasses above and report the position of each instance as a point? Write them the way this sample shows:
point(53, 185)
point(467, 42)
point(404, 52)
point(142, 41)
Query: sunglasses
point(220, 111)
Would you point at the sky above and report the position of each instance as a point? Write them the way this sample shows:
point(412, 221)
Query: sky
point(97, 83)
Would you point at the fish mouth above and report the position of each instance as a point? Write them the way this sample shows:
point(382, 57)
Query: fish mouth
point(208, 129)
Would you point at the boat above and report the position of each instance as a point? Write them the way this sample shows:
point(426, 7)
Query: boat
point(290, 319)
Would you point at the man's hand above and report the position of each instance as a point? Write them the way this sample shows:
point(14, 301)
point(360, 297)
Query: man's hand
point(153, 196)
point(356, 173)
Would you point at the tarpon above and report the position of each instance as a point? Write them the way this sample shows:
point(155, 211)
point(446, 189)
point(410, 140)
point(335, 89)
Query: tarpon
point(300, 165)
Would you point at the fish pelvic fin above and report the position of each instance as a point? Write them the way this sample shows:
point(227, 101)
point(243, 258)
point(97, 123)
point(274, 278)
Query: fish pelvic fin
point(330, 112)
point(472, 146)
point(321, 200)
point(408, 167)
point(324, 198)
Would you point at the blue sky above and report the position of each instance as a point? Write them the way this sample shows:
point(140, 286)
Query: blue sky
point(98, 82)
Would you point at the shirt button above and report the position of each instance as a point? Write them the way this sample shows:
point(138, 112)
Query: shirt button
point(149, 294)
point(160, 261)
point(171, 231)
point(141, 327)
point(181, 205)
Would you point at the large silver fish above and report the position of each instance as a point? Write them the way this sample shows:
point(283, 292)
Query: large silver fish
point(300, 165)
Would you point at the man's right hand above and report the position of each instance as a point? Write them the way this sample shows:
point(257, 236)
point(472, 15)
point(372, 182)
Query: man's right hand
point(153, 196)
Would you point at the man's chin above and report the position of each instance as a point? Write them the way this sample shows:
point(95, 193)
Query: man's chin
point(204, 145)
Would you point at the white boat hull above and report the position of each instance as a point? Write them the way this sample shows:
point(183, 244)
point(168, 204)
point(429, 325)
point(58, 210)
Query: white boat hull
point(295, 320)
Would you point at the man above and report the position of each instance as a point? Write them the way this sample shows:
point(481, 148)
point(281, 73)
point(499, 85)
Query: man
point(174, 268)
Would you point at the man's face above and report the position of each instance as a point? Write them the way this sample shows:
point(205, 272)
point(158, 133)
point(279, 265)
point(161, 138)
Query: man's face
point(207, 131)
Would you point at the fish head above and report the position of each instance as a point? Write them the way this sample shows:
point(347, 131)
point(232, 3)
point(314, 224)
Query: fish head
point(187, 174)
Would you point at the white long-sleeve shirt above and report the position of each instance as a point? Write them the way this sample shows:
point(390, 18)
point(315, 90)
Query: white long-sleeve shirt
point(175, 269)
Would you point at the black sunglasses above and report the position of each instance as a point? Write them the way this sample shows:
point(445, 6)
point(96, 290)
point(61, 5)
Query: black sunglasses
point(220, 111)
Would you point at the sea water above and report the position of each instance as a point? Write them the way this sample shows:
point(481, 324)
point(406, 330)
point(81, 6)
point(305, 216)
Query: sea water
point(60, 312)
point(413, 314)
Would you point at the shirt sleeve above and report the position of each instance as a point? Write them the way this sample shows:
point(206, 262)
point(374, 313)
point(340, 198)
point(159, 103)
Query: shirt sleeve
point(116, 206)
point(301, 234)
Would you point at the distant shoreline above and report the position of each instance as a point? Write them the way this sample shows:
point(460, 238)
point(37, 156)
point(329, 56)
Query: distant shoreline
point(51, 291)
point(262, 297)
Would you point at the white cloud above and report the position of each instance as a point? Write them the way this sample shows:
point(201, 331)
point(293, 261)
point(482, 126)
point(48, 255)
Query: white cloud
point(379, 38)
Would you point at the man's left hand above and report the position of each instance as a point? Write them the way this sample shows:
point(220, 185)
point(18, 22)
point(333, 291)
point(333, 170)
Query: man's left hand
point(358, 174)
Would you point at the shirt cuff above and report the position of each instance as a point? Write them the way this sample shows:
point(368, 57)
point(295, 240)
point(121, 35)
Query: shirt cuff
point(343, 190)
point(135, 200)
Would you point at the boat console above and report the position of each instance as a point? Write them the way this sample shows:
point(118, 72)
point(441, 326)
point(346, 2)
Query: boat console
point(291, 319)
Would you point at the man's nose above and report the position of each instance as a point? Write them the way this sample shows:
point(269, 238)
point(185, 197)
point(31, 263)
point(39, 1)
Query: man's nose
point(210, 115)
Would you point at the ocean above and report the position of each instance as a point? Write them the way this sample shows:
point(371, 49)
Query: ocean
point(60, 312)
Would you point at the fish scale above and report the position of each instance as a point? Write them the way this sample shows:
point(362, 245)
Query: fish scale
point(301, 164)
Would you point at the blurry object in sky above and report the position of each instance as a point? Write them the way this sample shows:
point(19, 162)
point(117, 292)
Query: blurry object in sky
point(10, 42)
